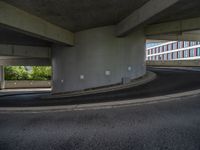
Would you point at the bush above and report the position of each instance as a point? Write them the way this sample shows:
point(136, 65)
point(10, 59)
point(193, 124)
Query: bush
point(16, 73)
point(21, 73)
point(41, 73)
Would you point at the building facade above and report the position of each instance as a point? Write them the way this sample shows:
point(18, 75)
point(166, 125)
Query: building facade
point(174, 50)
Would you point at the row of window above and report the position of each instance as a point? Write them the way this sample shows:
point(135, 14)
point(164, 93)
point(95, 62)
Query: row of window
point(172, 46)
point(176, 55)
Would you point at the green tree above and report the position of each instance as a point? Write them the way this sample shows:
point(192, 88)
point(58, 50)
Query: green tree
point(16, 73)
point(41, 73)
point(22, 73)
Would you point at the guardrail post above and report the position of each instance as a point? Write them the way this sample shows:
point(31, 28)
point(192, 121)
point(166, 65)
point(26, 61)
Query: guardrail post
point(2, 78)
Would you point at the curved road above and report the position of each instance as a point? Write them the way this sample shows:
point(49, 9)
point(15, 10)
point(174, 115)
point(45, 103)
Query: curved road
point(173, 125)
point(168, 81)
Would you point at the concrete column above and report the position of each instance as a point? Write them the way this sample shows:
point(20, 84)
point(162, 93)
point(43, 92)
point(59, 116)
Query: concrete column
point(2, 80)
point(99, 58)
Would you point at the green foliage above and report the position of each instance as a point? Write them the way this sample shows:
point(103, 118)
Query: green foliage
point(41, 73)
point(16, 73)
point(22, 73)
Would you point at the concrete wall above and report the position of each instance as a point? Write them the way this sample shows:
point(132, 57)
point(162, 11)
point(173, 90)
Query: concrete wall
point(27, 84)
point(98, 52)
point(24, 51)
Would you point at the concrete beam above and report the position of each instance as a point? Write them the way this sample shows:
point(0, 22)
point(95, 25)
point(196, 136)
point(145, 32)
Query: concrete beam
point(173, 27)
point(24, 51)
point(175, 37)
point(142, 14)
point(22, 21)
point(25, 62)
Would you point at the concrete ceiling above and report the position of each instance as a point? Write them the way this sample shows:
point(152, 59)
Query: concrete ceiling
point(77, 15)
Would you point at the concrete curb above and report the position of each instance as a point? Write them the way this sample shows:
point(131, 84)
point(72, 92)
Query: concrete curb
point(95, 106)
point(13, 93)
point(148, 77)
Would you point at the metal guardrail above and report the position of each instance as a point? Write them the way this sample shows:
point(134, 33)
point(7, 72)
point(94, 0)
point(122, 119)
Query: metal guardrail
point(175, 63)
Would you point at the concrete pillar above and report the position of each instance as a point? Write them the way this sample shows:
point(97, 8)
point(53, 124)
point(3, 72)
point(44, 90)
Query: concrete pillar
point(99, 58)
point(2, 80)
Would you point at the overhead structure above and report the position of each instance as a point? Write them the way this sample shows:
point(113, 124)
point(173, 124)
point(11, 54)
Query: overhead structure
point(143, 14)
point(17, 19)
point(93, 43)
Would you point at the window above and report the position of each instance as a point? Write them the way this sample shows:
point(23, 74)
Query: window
point(156, 57)
point(179, 45)
point(174, 46)
point(186, 44)
point(169, 47)
point(185, 53)
point(174, 55)
point(179, 54)
point(169, 56)
point(192, 43)
point(160, 57)
point(191, 52)
point(165, 56)
point(198, 51)
point(156, 50)
point(165, 48)
point(161, 49)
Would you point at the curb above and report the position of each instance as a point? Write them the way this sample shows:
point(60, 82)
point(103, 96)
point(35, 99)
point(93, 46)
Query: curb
point(96, 106)
point(24, 93)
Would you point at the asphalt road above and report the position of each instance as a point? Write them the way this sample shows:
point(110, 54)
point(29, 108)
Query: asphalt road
point(168, 81)
point(171, 125)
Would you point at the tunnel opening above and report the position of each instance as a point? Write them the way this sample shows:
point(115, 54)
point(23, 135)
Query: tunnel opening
point(26, 77)
point(173, 53)
point(173, 50)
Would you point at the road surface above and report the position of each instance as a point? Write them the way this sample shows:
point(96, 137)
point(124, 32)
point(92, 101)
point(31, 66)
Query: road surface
point(173, 125)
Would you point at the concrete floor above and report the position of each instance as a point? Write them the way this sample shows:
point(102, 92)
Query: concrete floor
point(172, 125)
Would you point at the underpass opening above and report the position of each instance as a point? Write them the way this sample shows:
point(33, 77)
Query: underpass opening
point(176, 53)
point(26, 77)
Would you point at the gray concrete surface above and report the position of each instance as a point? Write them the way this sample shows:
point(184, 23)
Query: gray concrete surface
point(17, 84)
point(22, 21)
point(78, 15)
point(159, 126)
point(25, 51)
point(9, 36)
point(93, 56)
point(11, 54)
point(178, 26)
point(143, 14)
point(148, 77)
point(21, 61)
point(96, 52)
point(184, 36)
